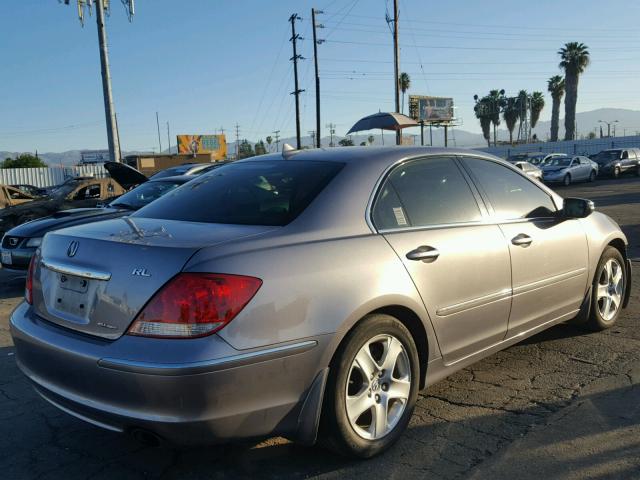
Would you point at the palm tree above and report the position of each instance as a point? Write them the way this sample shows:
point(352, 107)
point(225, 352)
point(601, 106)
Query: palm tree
point(496, 101)
point(511, 114)
point(481, 110)
point(537, 104)
point(555, 86)
point(269, 139)
point(574, 60)
point(523, 107)
point(405, 83)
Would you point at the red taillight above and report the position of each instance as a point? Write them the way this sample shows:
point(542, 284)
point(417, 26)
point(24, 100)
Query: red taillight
point(194, 304)
point(28, 288)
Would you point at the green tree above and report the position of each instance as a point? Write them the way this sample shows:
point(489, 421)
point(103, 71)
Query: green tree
point(537, 104)
point(363, 144)
point(511, 114)
point(555, 86)
point(371, 139)
point(269, 142)
point(404, 81)
point(523, 108)
point(245, 150)
point(25, 160)
point(346, 142)
point(574, 59)
point(260, 148)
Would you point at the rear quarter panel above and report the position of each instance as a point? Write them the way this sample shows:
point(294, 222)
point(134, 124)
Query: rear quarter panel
point(600, 230)
point(314, 288)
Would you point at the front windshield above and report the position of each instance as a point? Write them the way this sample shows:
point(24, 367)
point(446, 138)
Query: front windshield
point(607, 156)
point(559, 162)
point(536, 160)
point(144, 194)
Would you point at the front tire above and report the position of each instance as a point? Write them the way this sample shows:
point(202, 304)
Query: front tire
point(592, 176)
point(566, 181)
point(372, 388)
point(616, 172)
point(608, 288)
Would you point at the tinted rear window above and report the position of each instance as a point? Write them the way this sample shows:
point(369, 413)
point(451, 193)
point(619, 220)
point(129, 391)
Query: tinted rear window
point(248, 193)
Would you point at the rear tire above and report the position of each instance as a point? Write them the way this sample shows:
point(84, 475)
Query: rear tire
point(370, 395)
point(607, 291)
point(592, 176)
point(566, 181)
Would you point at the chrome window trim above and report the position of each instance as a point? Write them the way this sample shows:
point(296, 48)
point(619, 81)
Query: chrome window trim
point(468, 224)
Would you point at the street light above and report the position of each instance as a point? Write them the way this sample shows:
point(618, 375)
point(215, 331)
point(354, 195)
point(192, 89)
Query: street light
point(608, 126)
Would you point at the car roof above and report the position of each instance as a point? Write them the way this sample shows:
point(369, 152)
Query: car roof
point(369, 155)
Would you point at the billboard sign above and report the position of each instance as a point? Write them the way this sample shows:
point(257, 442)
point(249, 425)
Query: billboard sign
point(431, 109)
point(196, 144)
point(94, 156)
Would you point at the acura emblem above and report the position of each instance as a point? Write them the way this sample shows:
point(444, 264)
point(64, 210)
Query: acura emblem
point(13, 242)
point(73, 248)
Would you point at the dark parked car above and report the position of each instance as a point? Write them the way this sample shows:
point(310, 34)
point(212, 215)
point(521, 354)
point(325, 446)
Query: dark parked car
point(188, 169)
point(20, 243)
point(617, 161)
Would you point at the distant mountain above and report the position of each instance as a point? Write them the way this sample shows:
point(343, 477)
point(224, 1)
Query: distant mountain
point(628, 120)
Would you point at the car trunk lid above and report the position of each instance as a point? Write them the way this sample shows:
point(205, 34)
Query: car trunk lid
point(95, 278)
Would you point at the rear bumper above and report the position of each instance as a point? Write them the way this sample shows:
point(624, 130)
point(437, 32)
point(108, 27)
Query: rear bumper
point(186, 391)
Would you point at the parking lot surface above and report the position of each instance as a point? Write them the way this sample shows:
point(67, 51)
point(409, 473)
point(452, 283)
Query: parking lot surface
point(563, 404)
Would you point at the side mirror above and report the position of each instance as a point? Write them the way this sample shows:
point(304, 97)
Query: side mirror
point(577, 208)
point(519, 165)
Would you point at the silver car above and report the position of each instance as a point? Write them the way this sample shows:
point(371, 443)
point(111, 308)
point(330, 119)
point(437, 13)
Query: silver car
point(309, 294)
point(567, 170)
point(529, 169)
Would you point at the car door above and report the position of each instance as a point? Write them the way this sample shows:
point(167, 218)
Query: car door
point(434, 220)
point(549, 256)
point(585, 164)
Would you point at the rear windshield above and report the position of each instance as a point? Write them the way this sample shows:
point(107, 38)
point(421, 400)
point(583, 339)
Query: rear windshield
point(248, 193)
point(172, 172)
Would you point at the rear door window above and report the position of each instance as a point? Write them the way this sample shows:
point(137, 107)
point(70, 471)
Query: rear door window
point(512, 196)
point(426, 192)
point(246, 193)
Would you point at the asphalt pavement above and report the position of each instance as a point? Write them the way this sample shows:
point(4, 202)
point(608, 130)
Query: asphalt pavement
point(564, 404)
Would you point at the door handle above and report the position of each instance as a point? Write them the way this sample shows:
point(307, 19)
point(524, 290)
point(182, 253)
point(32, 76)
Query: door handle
point(424, 253)
point(522, 240)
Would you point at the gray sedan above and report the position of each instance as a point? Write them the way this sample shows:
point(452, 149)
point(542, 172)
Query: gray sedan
point(568, 169)
point(309, 294)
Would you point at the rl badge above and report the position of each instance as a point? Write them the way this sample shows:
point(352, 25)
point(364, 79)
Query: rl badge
point(140, 272)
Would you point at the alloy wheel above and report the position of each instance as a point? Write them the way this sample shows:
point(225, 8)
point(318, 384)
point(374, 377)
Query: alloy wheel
point(378, 387)
point(609, 289)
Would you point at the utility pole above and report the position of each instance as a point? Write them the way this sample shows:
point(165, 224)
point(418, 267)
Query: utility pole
point(113, 138)
point(237, 140)
point(332, 131)
point(316, 42)
point(295, 58)
point(169, 138)
point(277, 134)
point(396, 64)
point(159, 142)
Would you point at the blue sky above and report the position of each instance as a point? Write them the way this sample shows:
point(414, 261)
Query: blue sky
point(206, 64)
